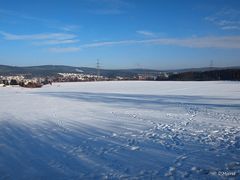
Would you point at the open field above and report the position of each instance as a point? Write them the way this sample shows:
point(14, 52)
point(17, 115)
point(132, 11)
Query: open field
point(121, 130)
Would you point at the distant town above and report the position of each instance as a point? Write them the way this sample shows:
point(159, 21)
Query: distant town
point(37, 82)
point(36, 77)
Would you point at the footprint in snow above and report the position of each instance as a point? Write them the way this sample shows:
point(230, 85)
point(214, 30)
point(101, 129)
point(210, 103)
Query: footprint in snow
point(114, 135)
point(132, 144)
point(170, 172)
point(233, 165)
point(134, 148)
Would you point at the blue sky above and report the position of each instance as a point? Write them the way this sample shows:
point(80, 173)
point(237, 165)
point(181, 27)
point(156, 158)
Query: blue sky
point(156, 34)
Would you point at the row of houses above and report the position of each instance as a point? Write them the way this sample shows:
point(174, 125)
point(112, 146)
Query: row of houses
point(22, 81)
point(73, 77)
point(39, 82)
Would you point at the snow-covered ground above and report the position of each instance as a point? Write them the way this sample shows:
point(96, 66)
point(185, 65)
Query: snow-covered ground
point(121, 130)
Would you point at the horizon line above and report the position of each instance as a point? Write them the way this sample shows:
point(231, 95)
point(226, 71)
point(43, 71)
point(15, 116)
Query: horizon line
point(170, 69)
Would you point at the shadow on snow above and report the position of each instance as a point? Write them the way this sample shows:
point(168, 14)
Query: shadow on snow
point(141, 99)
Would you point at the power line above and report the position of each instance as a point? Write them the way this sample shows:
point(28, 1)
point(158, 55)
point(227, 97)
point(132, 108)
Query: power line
point(98, 69)
point(211, 64)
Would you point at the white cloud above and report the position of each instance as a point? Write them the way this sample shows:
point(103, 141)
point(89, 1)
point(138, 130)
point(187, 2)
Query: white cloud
point(57, 42)
point(53, 36)
point(16, 14)
point(42, 39)
point(70, 27)
point(230, 27)
point(64, 49)
point(227, 19)
point(146, 33)
point(50, 23)
point(109, 43)
point(225, 42)
point(193, 42)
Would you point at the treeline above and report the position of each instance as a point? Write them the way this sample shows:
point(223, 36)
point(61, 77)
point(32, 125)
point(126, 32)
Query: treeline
point(214, 75)
point(53, 70)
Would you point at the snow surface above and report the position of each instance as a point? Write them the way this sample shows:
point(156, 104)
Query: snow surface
point(121, 130)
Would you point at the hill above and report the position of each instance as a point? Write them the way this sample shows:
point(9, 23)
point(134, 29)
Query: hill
point(53, 70)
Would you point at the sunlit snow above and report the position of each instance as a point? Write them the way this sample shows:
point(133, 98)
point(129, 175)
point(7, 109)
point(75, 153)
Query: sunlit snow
point(120, 130)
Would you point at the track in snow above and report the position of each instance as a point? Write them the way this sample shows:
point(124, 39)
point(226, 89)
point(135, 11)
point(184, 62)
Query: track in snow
point(123, 130)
